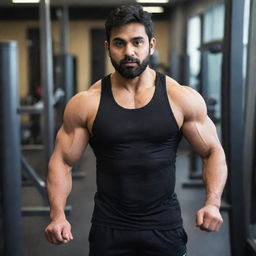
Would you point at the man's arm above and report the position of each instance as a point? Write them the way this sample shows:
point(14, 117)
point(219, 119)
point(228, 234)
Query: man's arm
point(71, 141)
point(201, 133)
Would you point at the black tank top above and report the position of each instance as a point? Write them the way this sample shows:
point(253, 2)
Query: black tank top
point(135, 153)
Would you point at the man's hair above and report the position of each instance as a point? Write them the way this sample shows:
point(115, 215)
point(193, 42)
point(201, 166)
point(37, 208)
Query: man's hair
point(127, 14)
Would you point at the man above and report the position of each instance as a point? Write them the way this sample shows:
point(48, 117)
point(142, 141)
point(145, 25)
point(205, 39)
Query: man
point(133, 120)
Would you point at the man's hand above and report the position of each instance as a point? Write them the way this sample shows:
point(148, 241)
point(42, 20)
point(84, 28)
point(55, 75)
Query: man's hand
point(59, 232)
point(209, 218)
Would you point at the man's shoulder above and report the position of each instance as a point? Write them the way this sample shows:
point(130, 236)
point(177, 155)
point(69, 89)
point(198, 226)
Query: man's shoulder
point(181, 92)
point(173, 87)
point(95, 88)
point(93, 91)
point(89, 95)
point(86, 98)
point(84, 104)
point(186, 98)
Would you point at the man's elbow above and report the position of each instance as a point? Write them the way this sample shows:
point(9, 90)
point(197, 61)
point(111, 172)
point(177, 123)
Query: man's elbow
point(215, 152)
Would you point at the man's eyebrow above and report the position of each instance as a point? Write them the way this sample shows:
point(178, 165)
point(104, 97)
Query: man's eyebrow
point(118, 39)
point(138, 38)
point(134, 38)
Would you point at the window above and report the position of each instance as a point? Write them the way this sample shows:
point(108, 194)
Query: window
point(214, 23)
point(193, 45)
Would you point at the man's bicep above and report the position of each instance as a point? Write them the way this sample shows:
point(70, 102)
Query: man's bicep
point(202, 135)
point(197, 127)
point(71, 145)
point(73, 136)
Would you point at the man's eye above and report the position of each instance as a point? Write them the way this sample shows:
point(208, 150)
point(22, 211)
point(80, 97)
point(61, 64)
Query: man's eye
point(137, 42)
point(118, 43)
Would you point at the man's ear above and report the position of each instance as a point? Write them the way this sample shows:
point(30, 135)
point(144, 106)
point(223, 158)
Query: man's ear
point(106, 44)
point(152, 45)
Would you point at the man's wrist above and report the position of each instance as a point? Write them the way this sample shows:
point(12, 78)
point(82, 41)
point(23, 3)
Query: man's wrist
point(213, 200)
point(57, 214)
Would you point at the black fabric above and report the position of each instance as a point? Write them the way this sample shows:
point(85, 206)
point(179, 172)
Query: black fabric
point(135, 151)
point(116, 242)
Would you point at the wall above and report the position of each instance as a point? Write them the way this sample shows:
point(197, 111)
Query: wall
point(79, 33)
point(161, 32)
point(13, 30)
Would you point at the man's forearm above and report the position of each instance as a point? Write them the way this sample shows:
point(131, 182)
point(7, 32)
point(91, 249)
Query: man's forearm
point(215, 176)
point(59, 183)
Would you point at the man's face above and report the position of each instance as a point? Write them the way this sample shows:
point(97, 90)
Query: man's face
point(129, 49)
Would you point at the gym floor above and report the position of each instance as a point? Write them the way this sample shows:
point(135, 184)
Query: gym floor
point(81, 199)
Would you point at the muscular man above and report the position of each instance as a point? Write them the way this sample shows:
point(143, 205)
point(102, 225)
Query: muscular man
point(134, 119)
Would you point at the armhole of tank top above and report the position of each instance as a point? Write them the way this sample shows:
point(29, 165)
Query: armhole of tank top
point(103, 82)
point(164, 86)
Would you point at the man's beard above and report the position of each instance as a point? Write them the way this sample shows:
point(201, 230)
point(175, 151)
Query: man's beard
point(130, 72)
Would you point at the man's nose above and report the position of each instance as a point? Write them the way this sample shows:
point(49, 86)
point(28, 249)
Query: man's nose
point(129, 50)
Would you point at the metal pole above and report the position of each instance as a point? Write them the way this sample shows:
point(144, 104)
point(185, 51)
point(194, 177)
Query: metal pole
point(186, 72)
point(64, 29)
point(10, 148)
point(68, 76)
point(175, 66)
point(67, 81)
point(233, 119)
point(204, 75)
point(47, 76)
point(250, 121)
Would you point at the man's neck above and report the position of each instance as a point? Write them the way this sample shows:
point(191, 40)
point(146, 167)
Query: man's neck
point(145, 80)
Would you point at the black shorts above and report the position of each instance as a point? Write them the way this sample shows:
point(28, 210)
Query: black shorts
point(115, 242)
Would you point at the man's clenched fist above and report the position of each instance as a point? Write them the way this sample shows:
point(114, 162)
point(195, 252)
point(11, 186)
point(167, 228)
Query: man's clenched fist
point(209, 218)
point(59, 232)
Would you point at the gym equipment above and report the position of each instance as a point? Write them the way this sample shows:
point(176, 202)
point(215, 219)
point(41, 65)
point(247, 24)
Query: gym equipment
point(233, 120)
point(46, 77)
point(46, 108)
point(10, 149)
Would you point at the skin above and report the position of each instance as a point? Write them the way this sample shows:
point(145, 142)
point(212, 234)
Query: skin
point(189, 110)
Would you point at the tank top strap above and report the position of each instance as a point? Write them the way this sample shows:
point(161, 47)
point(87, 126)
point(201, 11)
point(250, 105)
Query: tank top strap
point(161, 81)
point(106, 86)
point(161, 93)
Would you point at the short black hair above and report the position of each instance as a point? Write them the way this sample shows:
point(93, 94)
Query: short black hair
point(127, 14)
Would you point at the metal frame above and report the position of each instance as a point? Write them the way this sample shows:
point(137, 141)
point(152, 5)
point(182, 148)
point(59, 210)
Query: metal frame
point(31, 147)
point(41, 210)
point(49, 99)
point(63, 15)
point(175, 60)
point(232, 120)
point(30, 110)
point(204, 74)
point(36, 179)
point(10, 148)
point(11, 159)
point(47, 77)
point(66, 58)
point(250, 125)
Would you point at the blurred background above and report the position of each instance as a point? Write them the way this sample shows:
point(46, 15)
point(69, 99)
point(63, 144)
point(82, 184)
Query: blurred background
point(50, 50)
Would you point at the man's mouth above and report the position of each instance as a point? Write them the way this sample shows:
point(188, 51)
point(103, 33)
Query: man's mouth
point(129, 61)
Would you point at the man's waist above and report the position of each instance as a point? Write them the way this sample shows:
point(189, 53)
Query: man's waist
point(138, 207)
point(163, 216)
